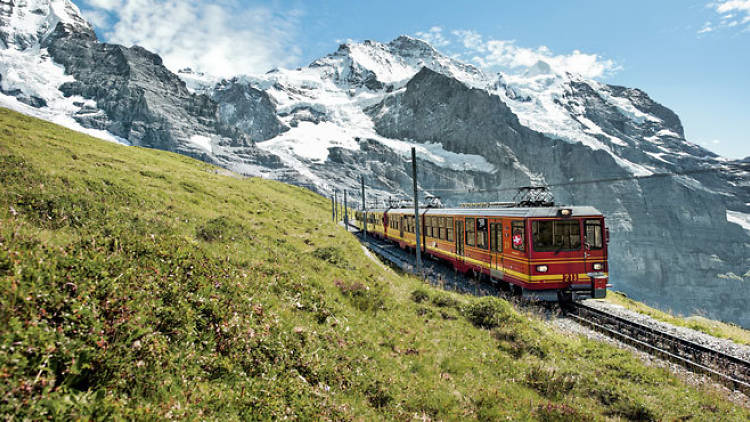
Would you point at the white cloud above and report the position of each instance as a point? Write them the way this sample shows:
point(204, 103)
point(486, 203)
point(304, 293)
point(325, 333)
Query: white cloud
point(222, 38)
point(706, 28)
point(434, 36)
point(96, 17)
point(471, 40)
point(491, 54)
point(732, 13)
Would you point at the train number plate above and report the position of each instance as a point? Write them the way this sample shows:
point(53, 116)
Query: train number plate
point(570, 278)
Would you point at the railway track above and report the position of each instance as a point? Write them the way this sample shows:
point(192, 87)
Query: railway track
point(726, 369)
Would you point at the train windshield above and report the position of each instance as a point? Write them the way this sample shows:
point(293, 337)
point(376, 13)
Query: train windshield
point(556, 235)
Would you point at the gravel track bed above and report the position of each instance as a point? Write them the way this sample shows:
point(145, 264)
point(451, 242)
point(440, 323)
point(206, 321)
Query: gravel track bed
point(571, 327)
point(723, 345)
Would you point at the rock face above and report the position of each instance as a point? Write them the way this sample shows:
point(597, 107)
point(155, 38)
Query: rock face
point(248, 109)
point(678, 242)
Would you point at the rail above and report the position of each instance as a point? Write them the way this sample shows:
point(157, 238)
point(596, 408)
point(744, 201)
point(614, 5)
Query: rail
point(726, 369)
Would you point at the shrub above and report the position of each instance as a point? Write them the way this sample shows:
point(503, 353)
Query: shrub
point(444, 300)
point(488, 312)
point(332, 255)
point(420, 295)
point(6, 265)
point(363, 297)
point(378, 395)
point(220, 228)
point(550, 382)
point(557, 413)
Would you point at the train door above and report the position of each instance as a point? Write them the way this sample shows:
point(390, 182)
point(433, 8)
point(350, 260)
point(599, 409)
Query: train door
point(401, 227)
point(460, 239)
point(496, 249)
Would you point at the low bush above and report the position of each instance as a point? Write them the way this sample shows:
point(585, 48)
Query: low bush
point(332, 255)
point(216, 229)
point(550, 382)
point(420, 295)
point(445, 300)
point(488, 312)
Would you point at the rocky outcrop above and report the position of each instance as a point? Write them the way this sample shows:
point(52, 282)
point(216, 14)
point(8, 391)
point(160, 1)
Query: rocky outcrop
point(142, 100)
point(248, 109)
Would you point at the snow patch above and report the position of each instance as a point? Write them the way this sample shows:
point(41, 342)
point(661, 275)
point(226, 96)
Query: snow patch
point(203, 142)
point(56, 117)
point(667, 133)
point(197, 82)
point(658, 156)
point(740, 218)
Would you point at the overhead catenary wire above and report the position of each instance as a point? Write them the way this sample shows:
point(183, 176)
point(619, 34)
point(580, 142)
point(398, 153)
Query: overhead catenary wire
point(734, 167)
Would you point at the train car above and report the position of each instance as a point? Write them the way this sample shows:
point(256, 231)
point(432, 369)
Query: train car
point(375, 222)
point(547, 253)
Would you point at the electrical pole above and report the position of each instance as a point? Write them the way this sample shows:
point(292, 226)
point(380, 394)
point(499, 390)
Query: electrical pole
point(333, 208)
point(416, 210)
point(364, 208)
point(346, 212)
point(336, 205)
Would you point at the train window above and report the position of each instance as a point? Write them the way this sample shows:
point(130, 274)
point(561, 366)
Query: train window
point(482, 233)
point(594, 234)
point(519, 238)
point(470, 232)
point(428, 226)
point(496, 237)
point(556, 235)
point(449, 228)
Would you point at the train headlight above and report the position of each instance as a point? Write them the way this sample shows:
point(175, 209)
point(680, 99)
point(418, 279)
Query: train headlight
point(598, 266)
point(542, 268)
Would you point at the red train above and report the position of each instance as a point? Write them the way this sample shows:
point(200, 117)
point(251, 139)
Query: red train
point(547, 253)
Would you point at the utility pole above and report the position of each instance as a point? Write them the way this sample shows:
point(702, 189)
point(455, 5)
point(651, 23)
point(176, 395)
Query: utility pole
point(346, 212)
point(333, 208)
point(416, 210)
point(364, 208)
point(335, 205)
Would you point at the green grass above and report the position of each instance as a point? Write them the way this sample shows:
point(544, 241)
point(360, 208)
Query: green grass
point(696, 322)
point(142, 284)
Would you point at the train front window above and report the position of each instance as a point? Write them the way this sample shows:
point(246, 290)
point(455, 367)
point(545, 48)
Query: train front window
point(594, 234)
point(556, 235)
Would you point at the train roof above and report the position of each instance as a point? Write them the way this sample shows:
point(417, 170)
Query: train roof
point(499, 212)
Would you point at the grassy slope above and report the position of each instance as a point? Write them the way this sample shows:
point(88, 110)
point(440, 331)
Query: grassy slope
point(699, 323)
point(141, 283)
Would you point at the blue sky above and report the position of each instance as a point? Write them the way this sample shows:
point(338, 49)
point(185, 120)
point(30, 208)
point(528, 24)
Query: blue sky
point(691, 56)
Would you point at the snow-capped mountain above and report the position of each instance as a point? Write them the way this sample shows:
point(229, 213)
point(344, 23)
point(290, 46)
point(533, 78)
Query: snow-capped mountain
point(679, 242)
